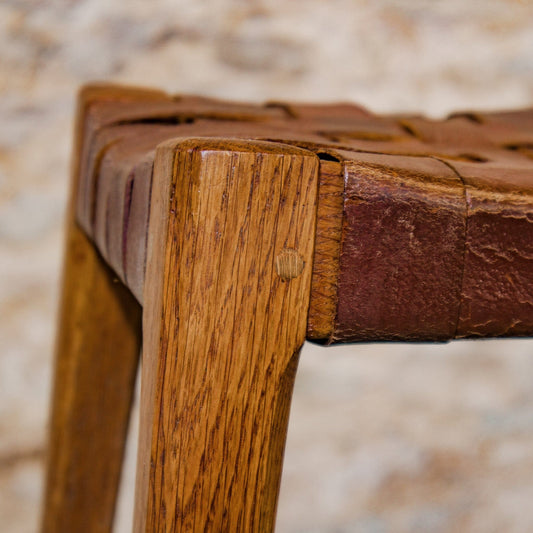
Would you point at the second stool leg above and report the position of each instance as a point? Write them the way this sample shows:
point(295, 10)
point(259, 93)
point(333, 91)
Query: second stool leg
point(226, 301)
point(97, 353)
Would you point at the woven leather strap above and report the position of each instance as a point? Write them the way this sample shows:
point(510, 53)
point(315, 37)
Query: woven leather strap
point(424, 228)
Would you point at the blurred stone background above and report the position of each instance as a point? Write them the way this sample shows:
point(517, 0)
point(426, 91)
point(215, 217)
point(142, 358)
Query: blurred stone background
point(383, 438)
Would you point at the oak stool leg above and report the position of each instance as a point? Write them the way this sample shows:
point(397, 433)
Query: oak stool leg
point(225, 311)
point(97, 353)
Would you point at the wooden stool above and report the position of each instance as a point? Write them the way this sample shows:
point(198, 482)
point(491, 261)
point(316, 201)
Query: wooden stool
point(228, 234)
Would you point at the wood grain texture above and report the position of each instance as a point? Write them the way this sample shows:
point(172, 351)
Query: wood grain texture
point(222, 331)
point(323, 304)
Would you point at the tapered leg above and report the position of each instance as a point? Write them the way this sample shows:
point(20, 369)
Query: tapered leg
point(97, 352)
point(96, 361)
point(226, 300)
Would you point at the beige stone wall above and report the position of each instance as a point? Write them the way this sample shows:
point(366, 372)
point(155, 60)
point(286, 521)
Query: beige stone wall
point(382, 438)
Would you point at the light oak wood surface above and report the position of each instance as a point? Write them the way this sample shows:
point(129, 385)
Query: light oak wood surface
point(223, 330)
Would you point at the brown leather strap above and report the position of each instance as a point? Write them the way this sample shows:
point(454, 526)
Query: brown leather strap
point(402, 250)
point(424, 227)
